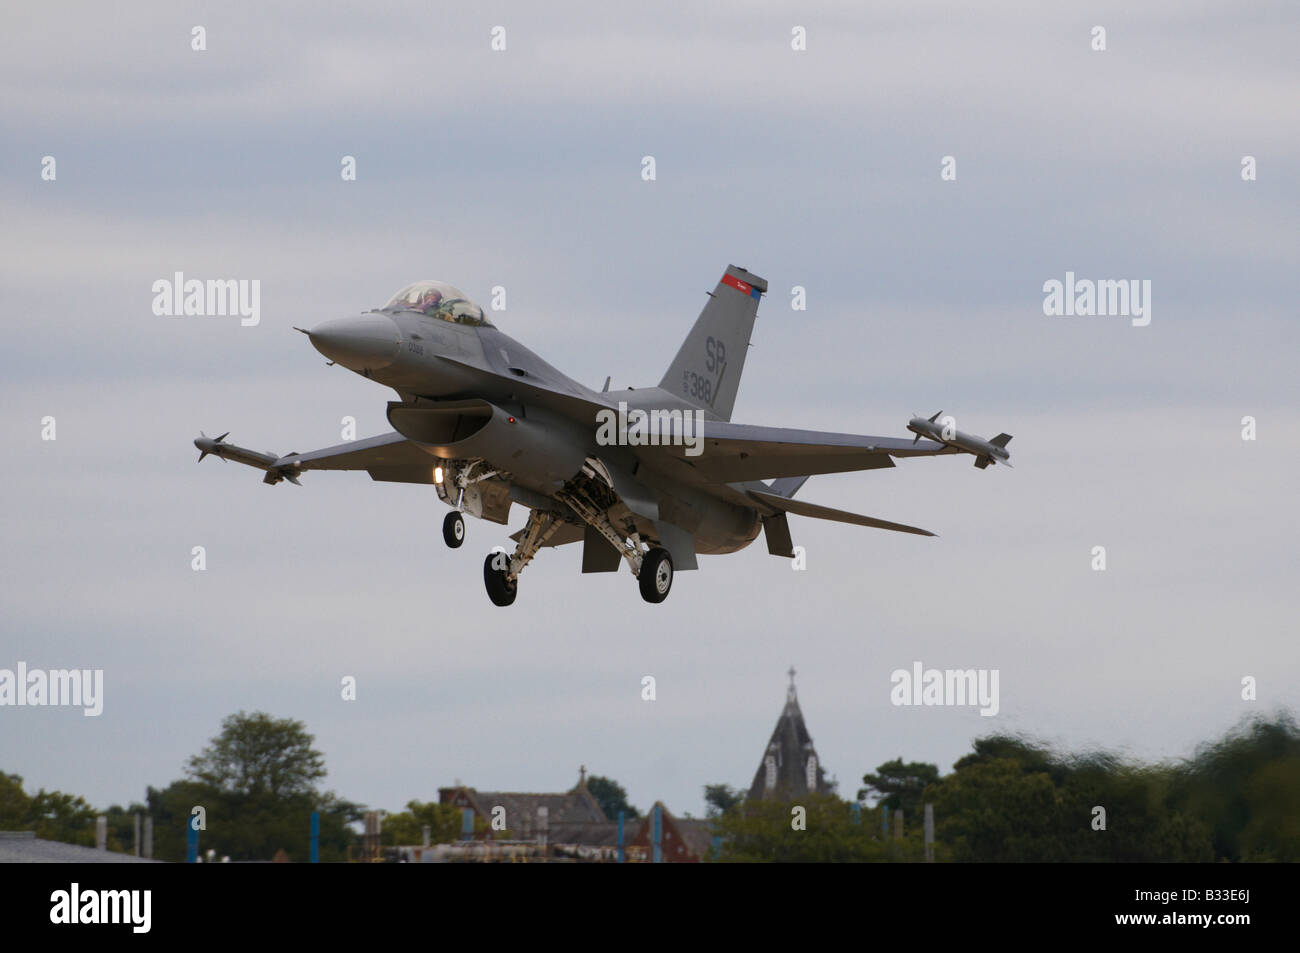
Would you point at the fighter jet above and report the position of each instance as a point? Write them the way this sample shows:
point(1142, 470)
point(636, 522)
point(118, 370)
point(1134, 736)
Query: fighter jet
point(985, 451)
point(649, 476)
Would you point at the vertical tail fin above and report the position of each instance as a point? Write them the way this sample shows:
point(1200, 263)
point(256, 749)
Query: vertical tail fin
point(706, 371)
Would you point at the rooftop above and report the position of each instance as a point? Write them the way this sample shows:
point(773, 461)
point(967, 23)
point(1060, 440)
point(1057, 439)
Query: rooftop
point(24, 847)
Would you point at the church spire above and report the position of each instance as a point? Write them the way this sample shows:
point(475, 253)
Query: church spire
point(790, 766)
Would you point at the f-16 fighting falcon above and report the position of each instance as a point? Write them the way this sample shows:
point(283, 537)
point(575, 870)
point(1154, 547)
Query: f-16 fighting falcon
point(651, 476)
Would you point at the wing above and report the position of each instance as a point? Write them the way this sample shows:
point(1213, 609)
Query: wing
point(735, 453)
point(389, 457)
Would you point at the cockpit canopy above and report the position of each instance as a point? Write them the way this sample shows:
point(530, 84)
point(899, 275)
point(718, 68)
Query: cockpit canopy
point(437, 299)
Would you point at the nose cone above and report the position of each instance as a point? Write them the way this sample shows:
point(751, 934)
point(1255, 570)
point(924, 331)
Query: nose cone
point(367, 342)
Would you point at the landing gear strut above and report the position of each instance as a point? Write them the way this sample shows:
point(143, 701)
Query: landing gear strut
point(453, 530)
point(591, 496)
point(501, 572)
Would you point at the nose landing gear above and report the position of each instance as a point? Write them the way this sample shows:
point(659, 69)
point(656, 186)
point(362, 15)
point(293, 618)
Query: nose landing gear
point(453, 530)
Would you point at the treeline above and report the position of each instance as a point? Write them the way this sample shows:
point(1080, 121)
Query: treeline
point(1012, 799)
point(255, 787)
point(256, 783)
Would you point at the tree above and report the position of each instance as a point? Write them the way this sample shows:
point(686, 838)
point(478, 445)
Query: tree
point(993, 810)
point(121, 825)
point(14, 802)
point(63, 817)
point(898, 786)
point(764, 831)
point(257, 754)
point(721, 798)
point(1012, 800)
point(250, 826)
point(1246, 787)
point(407, 828)
point(257, 785)
point(611, 797)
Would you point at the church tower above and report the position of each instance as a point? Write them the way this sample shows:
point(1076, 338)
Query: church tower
point(790, 766)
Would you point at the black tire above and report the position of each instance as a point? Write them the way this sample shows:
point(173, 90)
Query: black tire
point(656, 576)
point(500, 590)
point(453, 530)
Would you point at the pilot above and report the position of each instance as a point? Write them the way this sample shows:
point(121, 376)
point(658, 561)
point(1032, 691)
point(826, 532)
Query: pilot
point(430, 301)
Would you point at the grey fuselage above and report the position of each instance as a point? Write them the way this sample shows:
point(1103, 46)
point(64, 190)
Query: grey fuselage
point(553, 416)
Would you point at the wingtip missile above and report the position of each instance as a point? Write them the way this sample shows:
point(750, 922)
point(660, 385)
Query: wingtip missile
point(267, 461)
point(984, 451)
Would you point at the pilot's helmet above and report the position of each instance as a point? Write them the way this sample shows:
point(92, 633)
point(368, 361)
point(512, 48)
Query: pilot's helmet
point(430, 301)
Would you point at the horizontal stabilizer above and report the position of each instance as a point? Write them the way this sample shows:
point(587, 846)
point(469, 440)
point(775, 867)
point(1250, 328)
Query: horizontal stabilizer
point(812, 510)
point(1001, 440)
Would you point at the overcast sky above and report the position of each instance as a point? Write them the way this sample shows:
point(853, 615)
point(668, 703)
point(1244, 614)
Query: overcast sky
point(522, 168)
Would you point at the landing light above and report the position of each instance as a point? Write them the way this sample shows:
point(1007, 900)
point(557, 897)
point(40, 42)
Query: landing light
point(437, 475)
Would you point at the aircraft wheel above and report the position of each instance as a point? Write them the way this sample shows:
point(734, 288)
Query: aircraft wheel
point(656, 577)
point(453, 530)
point(500, 590)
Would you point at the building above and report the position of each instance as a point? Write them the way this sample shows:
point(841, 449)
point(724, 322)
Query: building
point(573, 817)
point(682, 840)
point(790, 767)
point(24, 847)
point(569, 826)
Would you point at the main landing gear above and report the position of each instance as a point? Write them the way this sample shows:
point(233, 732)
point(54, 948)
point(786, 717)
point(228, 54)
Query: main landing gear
point(590, 497)
point(501, 572)
point(655, 579)
point(500, 588)
point(656, 575)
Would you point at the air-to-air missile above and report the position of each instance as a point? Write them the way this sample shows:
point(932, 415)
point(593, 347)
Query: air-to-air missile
point(263, 461)
point(984, 451)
